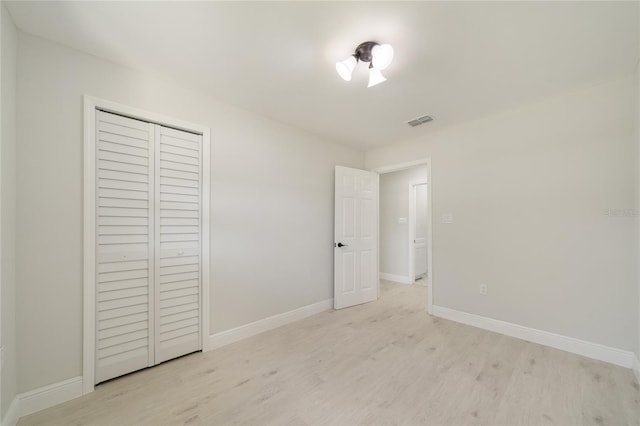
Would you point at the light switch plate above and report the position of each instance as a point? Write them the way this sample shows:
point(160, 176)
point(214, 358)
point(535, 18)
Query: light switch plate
point(447, 217)
point(402, 220)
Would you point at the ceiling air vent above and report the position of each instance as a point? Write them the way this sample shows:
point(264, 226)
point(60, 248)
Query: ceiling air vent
point(420, 120)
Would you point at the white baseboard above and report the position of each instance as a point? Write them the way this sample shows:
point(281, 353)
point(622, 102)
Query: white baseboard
point(581, 347)
point(235, 334)
point(636, 367)
point(12, 416)
point(48, 396)
point(38, 399)
point(402, 279)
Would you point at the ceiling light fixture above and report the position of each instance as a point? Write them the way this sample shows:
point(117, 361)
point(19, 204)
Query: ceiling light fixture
point(378, 55)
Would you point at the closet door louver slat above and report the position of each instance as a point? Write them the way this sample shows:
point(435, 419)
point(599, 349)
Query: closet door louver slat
point(125, 245)
point(177, 241)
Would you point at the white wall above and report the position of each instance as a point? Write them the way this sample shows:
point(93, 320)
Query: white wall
point(271, 208)
point(529, 189)
point(394, 204)
point(8, 211)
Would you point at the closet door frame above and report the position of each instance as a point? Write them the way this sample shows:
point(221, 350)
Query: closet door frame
point(91, 106)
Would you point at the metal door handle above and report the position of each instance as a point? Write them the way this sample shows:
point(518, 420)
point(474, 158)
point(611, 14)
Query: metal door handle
point(343, 245)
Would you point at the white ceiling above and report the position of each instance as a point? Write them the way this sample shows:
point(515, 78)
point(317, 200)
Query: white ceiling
point(454, 60)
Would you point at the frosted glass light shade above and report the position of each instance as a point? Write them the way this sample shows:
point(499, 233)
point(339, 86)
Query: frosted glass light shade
point(345, 68)
point(375, 77)
point(381, 56)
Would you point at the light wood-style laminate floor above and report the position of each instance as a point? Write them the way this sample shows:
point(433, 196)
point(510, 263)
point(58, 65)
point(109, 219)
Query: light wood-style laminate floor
point(385, 362)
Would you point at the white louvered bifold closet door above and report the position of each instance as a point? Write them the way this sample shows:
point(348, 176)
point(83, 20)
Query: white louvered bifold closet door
point(178, 184)
point(125, 245)
point(148, 253)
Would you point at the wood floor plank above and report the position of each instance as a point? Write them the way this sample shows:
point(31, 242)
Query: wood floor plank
point(381, 363)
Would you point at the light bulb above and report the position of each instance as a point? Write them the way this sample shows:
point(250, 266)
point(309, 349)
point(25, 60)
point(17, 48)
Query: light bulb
point(345, 68)
point(381, 56)
point(375, 77)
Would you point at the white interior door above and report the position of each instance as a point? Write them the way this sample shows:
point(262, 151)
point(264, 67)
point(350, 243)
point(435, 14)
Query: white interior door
point(420, 240)
point(178, 231)
point(125, 246)
point(356, 237)
point(148, 251)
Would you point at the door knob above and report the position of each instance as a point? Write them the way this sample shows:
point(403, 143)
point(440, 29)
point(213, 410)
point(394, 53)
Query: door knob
point(342, 245)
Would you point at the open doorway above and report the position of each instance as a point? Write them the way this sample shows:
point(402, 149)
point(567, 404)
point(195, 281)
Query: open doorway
point(405, 230)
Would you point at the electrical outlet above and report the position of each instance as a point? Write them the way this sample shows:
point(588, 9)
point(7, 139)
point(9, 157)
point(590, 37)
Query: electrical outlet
point(483, 289)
